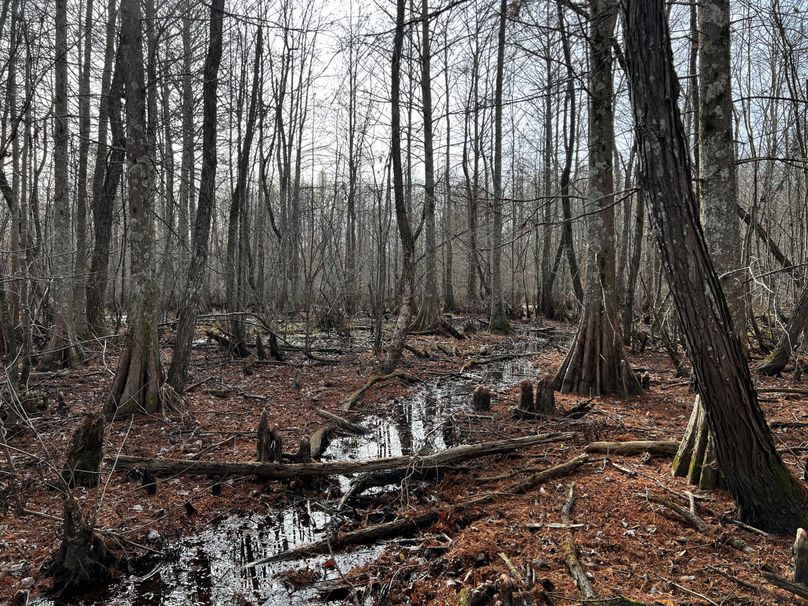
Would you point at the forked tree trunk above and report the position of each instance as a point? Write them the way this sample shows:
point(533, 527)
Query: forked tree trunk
point(596, 362)
point(137, 382)
point(768, 495)
point(178, 371)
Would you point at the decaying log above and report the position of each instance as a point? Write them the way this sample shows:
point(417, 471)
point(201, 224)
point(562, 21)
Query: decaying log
point(83, 559)
point(653, 447)
point(481, 399)
point(548, 474)
point(691, 518)
point(83, 464)
point(783, 583)
point(801, 557)
point(363, 536)
point(276, 471)
point(354, 398)
point(343, 424)
point(570, 551)
point(237, 350)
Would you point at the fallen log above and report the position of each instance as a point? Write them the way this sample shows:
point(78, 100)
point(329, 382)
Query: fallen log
point(691, 518)
point(344, 424)
point(280, 471)
point(653, 447)
point(363, 536)
point(783, 583)
point(358, 393)
point(548, 474)
point(577, 572)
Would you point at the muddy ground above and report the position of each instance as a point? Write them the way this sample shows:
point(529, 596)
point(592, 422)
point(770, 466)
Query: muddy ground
point(628, 545)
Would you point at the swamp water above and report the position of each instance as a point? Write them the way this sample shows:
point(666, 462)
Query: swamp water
point(208, 568)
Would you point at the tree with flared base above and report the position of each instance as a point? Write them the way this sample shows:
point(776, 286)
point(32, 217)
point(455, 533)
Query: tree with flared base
point(138, 380)
point(596, 362)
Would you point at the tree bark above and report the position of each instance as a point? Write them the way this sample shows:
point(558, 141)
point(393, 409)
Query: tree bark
point(498, 323)
point(137, 382)
point(178, 371)
point(596, 363)
point(767, 494)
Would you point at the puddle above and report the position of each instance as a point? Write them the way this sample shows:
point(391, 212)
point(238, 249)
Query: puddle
point(207, 568)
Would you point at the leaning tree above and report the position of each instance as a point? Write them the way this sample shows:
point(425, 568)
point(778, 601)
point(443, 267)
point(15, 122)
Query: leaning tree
point(767, 494)
point(138, 380)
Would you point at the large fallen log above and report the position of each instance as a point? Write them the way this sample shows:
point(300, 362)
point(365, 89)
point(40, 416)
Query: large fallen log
point(654, 447)
point(280, 471)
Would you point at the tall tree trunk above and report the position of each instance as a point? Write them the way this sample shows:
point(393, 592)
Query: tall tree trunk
point(498, 323)
point(767, 494)
point(178, 371)
point(137, 382)
point(596, 362)
point(80, 267)
point(448, 273)
point(718, 203)
point(547, 276)
point(407, 277)
point(62, 349)
point(103, 198)
point(429, 314)
point(238, 209)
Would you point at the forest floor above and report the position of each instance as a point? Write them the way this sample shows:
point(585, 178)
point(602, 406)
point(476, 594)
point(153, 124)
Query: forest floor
point(629, 545)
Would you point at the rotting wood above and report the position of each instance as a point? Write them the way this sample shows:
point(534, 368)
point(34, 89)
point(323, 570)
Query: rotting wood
point(783, 583)
point(801, 557)
point(652, 447)
point(344, 424)
point(83, 464)
point(354, 397)
point(275, 471)
point(545, 397)
point(566, 510)
point(691, 518)
point(526, 395)
point(548, 474)
point(320, 439)
point(570, 551)
point(363, 536)
point(481, 398)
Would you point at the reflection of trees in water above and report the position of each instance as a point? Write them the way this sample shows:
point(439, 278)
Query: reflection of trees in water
point(199, 576)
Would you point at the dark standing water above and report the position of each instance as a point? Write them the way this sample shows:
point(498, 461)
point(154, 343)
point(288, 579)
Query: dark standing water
point(207, 568)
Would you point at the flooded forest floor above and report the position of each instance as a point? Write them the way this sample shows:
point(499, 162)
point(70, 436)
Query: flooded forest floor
point(190, 539)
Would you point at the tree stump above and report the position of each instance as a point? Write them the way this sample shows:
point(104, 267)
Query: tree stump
point(481, 399)
point(645, 380)
point(259, 348)
point(303, 454)
point(273, 347)
point(83, 559)
point(695, 458)
point(526, 395)
point(83, 464)
point(545, 397)
point(269, 443)
point(801, 557)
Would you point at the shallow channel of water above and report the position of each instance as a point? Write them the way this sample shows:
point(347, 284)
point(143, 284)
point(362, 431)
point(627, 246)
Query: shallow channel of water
point(207, 568)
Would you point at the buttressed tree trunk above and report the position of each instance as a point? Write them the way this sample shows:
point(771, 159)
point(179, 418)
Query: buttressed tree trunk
point(718, 192)
point(137, 382)
point(498, 322)
point(768, 495)
point(596, 362)
point(178, 371)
